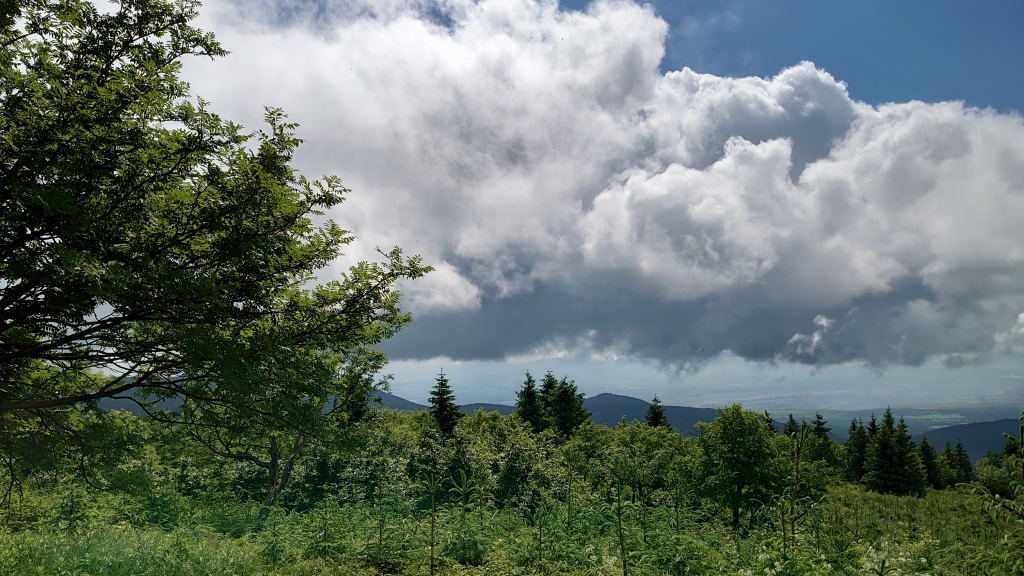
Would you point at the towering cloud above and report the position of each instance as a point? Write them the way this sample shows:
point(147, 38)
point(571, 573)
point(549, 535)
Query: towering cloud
point(574, 198)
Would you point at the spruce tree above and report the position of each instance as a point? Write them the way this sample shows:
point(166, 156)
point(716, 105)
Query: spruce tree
point(529, 405)
point(790, 427)
point(548, 391)
point(914, 478)
point(655, 415)
point(820, 447)
point(770, 422)
point(872, 428)
point(947, 455)
point(856, 451)
point(892, 465)
point(962, 463)
point(567, 411)
point(948, 465)
point(930, 461)
point(880, 472)
point(820, 429)
point(442, 406)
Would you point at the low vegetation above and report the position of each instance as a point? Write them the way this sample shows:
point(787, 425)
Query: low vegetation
point(396, 493)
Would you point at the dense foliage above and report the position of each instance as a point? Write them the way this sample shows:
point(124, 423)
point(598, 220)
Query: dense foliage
point(443, 407)
point(655, 415)
point(391, 494)
point(557, 406)
point(153, 252)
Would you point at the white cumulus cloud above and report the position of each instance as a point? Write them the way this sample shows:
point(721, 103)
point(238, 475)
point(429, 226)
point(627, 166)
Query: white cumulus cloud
point(1012, 341)
point(570, 194)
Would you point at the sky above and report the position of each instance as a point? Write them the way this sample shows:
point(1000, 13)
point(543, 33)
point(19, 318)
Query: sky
point(792, 204)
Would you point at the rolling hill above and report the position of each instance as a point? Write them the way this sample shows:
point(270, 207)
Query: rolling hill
point(610, 409)
point(607, 409)
point(978, 438)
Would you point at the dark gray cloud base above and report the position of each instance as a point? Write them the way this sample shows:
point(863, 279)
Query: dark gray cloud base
point(575, 200)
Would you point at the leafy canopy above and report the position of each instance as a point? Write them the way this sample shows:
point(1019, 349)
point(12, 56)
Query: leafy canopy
point(151, 250)
point(737, 451)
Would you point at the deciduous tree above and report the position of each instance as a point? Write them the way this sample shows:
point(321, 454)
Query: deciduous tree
point(737, 451)
point(152, 251)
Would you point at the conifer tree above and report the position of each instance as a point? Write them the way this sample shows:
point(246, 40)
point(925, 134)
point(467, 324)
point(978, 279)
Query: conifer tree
point(914, 479)
point(892, 465)
point(820, 429)
point(962, 463)
point(567, 411)
point(930, 461)
point(856, 451)
point(947, 454)
point(768, 420)
point(443, 407)
point(949, 460)
point(958, 462)
point(872, 428)
point(655, 415)
point(880, 462)
point(820, 447)
point(548, 390)
point(790, 427)
point(529, 405)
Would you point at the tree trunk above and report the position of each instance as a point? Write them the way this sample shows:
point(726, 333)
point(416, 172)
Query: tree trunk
point(278, 475)
point(272, 472)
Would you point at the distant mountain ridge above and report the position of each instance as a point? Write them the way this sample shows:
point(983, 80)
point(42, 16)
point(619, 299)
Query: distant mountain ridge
point(978, 438)
point(610, 409)
point(389, 400)
point(607, 409)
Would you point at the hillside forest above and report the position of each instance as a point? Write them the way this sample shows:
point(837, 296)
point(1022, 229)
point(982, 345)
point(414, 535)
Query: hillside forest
point(157, 256)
